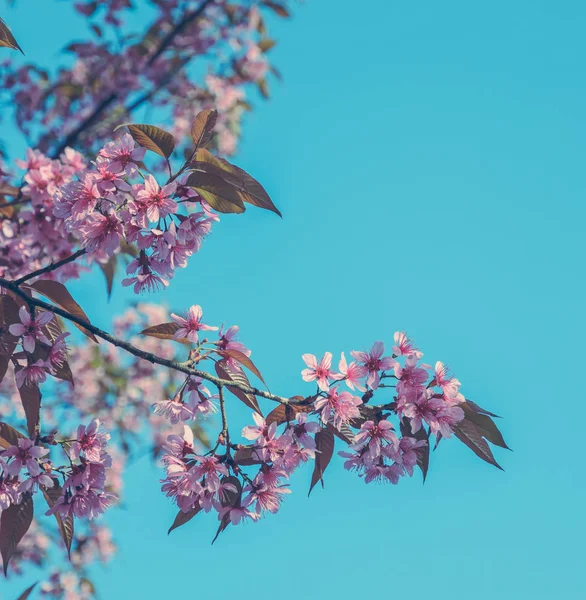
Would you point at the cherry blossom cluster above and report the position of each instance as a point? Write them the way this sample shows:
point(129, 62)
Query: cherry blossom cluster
point(384, 441)
point(107, 78)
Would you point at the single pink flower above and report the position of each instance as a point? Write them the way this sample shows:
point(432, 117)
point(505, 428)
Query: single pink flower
point(374, 363)
point(30, 328)
point(352, 373)
point(321, 372)
point(190, 324)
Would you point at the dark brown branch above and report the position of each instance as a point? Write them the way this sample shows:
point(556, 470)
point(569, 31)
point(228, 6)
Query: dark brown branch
point(51, 267)
point(152, 358)
point(100, 108)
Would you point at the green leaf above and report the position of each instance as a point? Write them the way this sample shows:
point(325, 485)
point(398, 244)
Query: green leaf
point(152, 138)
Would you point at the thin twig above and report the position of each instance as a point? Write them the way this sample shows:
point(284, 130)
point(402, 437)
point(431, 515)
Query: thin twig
point(152, 358)
point(51, 267)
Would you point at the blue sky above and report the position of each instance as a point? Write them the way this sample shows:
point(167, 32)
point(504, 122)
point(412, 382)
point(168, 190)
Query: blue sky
point(428, 160)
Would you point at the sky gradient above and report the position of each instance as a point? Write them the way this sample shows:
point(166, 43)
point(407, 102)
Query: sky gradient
point(428, 159)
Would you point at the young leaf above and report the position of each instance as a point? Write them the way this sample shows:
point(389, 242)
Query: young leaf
point(345, 433)
point(229, 499)
point(183, 517)
point(30, 396)
point(485, 425)
point(109, 270)
point(66, 526)
point(216, 191)
point(202, 128)
point(468, 433)
point(249, 189)
point(237, 376)
point(152, 138)
point(14, 523)
point(278, 8)
point(247, 456)
point(164, 331)
point(266, 44)
point(243, 360)
point(58, 293)
point(9, 436)
point(284, 413)
point(27, 592)
point(324, 441)
point(7, 40)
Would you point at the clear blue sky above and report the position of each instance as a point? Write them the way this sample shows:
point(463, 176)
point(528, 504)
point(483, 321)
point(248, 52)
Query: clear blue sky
point(428, 158)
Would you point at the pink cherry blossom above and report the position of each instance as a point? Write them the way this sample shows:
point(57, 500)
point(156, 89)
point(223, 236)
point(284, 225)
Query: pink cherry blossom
point(338, 407)
point(321, 372)
point(30, 328)
point(374, 363)
point(24, 455)
point(190, 324)
point(352, 373)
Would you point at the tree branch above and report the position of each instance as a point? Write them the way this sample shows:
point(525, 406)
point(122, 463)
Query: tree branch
point(152, 358)
point(100, 108)
point(51, 267)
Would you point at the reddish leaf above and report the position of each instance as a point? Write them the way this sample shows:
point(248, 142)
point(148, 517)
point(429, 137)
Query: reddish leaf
point(249, 189)
point(286, 412)
point(27, 592)
point(7, 40)
point(480, 410)
point(422, 453)
point(9, 436)
point(247, 456)
point(30, 396)
point(9, 190)
point(52, 331)
point(183, 517)
point(485, 425)
point(216, 191)
point(58, 293)
point(324, 441)
point(239, 377)
point(14, 523)
point(345, 433)
point(468, 433)
point(278, 8)
point(152, 138)
point(229, 499)
point(243, 360)
point(266, 44)
point(203, 125)
point(66, 526)
point(109, 270)
point(164, 331)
